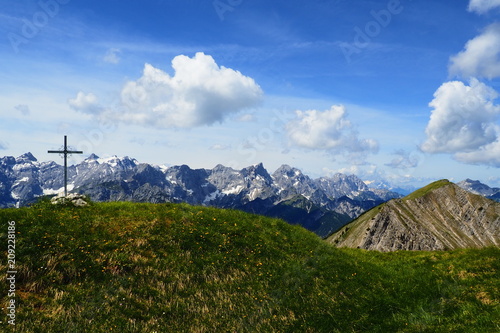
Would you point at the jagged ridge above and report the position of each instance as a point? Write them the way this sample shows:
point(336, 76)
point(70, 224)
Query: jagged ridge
point(321, 205)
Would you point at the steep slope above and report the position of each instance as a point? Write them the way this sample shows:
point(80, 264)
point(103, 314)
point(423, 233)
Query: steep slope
point(440, 216)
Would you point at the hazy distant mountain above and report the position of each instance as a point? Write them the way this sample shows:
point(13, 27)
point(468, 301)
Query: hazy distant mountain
point(476, 187)
point(384, 185)
point(440, 216)
point(321, 205)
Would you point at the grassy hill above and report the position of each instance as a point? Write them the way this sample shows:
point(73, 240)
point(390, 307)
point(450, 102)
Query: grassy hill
point(124, 267)
point(439, 216)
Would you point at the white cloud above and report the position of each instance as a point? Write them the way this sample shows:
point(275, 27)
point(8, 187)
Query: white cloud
point(481, 56)
point(85, 103)
point(328, 130)
point(482, 6)
point(112, 56)
point(199, 93)
point(3, 145)
point(463, 120)
point(486, 155)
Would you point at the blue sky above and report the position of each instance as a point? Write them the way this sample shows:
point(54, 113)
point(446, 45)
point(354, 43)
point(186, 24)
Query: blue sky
point(401, 91)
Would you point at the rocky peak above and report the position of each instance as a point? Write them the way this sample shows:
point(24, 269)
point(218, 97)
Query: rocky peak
point(291, 182)
point(120, 163)
point(440, 216)
point(342, 185)
point(8, 161)
point(92, 157)
point(219, 168)
point(26, 158)
point(146, 173)
point(285, 170)
point(186, 177)
point(286, 175)
point(476, 187)
point(256, 170)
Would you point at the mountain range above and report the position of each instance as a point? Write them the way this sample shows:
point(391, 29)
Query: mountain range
point(321, 205)
point(440, 216)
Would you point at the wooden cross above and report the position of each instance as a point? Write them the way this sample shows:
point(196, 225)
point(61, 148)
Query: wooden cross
point(65, 152)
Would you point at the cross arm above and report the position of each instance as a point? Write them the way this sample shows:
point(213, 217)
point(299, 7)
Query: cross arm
point(65, 152)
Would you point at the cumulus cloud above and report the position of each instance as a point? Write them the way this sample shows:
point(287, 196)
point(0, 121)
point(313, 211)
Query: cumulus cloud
point(199, 93)
point(327, 130)
point(85, 103)
point(463, 118)
point(485, 155)
point(464, 123)
point(483, 6)
point(480, 57)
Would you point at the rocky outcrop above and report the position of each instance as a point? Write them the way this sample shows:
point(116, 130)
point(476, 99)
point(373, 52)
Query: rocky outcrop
point(74, 199)
point(440, 216)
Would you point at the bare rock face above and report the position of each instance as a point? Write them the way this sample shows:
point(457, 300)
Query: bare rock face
point(440, 216)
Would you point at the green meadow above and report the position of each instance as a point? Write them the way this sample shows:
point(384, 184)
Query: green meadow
point(128, 267)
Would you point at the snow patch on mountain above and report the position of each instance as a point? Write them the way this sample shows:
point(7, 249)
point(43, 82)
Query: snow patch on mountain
point(24, 179)
point(235, 190)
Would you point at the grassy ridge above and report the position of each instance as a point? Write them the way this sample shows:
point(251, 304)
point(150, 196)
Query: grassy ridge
point(426, 189)
point(176, 268)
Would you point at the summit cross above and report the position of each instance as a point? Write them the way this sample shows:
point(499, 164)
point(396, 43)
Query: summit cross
point(65, 152)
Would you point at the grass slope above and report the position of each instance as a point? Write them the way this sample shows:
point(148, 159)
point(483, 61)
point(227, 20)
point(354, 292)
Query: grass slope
point(427, 189)
point(123, 267)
